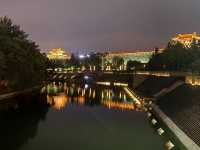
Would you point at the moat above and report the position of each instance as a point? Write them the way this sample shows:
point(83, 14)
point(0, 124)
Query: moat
point(81, 117)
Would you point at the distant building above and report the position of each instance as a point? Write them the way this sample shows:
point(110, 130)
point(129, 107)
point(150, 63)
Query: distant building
point(186, 39)
point(142, 56)
point(58, 54)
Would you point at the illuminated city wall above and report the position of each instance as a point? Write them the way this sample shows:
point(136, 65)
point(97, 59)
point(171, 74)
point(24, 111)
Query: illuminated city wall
point(141, 56)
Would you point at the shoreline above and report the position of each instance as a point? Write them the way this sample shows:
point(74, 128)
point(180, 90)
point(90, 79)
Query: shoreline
point(19, 92)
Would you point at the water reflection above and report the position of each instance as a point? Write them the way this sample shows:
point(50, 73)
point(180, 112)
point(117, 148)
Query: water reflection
point(57, 102)
point(29, 122)
point(61, 94)
point(20, 118)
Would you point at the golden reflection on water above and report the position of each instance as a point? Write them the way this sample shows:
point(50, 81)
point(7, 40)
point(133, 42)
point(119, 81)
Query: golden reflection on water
point(81, 100)
point(59, 96)
point(111, 104)
point(58, 102)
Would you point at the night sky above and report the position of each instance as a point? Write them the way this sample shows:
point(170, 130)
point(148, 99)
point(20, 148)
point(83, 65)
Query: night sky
point(103, 24)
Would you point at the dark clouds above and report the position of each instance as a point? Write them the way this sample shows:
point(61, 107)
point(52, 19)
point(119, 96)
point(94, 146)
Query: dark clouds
point(100, 24)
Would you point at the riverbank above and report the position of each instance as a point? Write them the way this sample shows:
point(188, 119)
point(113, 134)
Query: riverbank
point(20, 92)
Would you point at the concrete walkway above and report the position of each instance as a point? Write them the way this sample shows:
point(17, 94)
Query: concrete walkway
point(184, 139)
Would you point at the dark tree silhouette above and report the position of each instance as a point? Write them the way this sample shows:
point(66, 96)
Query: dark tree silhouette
point(134, 65)
point(175, 57)
point(21, 62)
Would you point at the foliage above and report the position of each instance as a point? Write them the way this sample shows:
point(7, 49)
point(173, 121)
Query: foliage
point(22, 64)
point(134, 65)
point(56, 63)
point(117, 62)
point(195, 66)
point(74, 61)
point(175, 58)
point(93, 59)
point(2, 65)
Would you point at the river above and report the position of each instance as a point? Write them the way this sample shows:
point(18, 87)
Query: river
point(76, 117)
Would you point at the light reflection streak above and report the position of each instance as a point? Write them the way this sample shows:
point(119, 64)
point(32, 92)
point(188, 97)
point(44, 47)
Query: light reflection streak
point(111, 104)
point(58, 102)
point(90, 92)
point(107, 97)
point(81, 100)
point(94, 94)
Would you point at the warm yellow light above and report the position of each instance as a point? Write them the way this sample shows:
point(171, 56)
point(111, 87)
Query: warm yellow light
point(58, 53)
point(111, 104)
point(58, 102)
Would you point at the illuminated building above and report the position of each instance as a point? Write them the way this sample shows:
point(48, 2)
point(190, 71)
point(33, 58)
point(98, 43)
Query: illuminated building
point(186, 39)
point(142, 56)
point(58, 54)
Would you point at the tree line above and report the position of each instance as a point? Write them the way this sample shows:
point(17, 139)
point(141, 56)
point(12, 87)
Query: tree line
point(177, 57)
point(97, 60)
point(21, 63)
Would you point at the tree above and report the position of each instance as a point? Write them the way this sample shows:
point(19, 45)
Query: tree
point(117, 62)
point(134, 65)
point(74, 61)
point(24, 65)
point(2, 65)
point(174, 58)
point(195, 66)
point(92, 59)
point(95, 59)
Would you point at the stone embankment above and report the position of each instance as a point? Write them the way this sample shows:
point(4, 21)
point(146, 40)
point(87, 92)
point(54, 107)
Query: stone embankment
point(183, 138)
